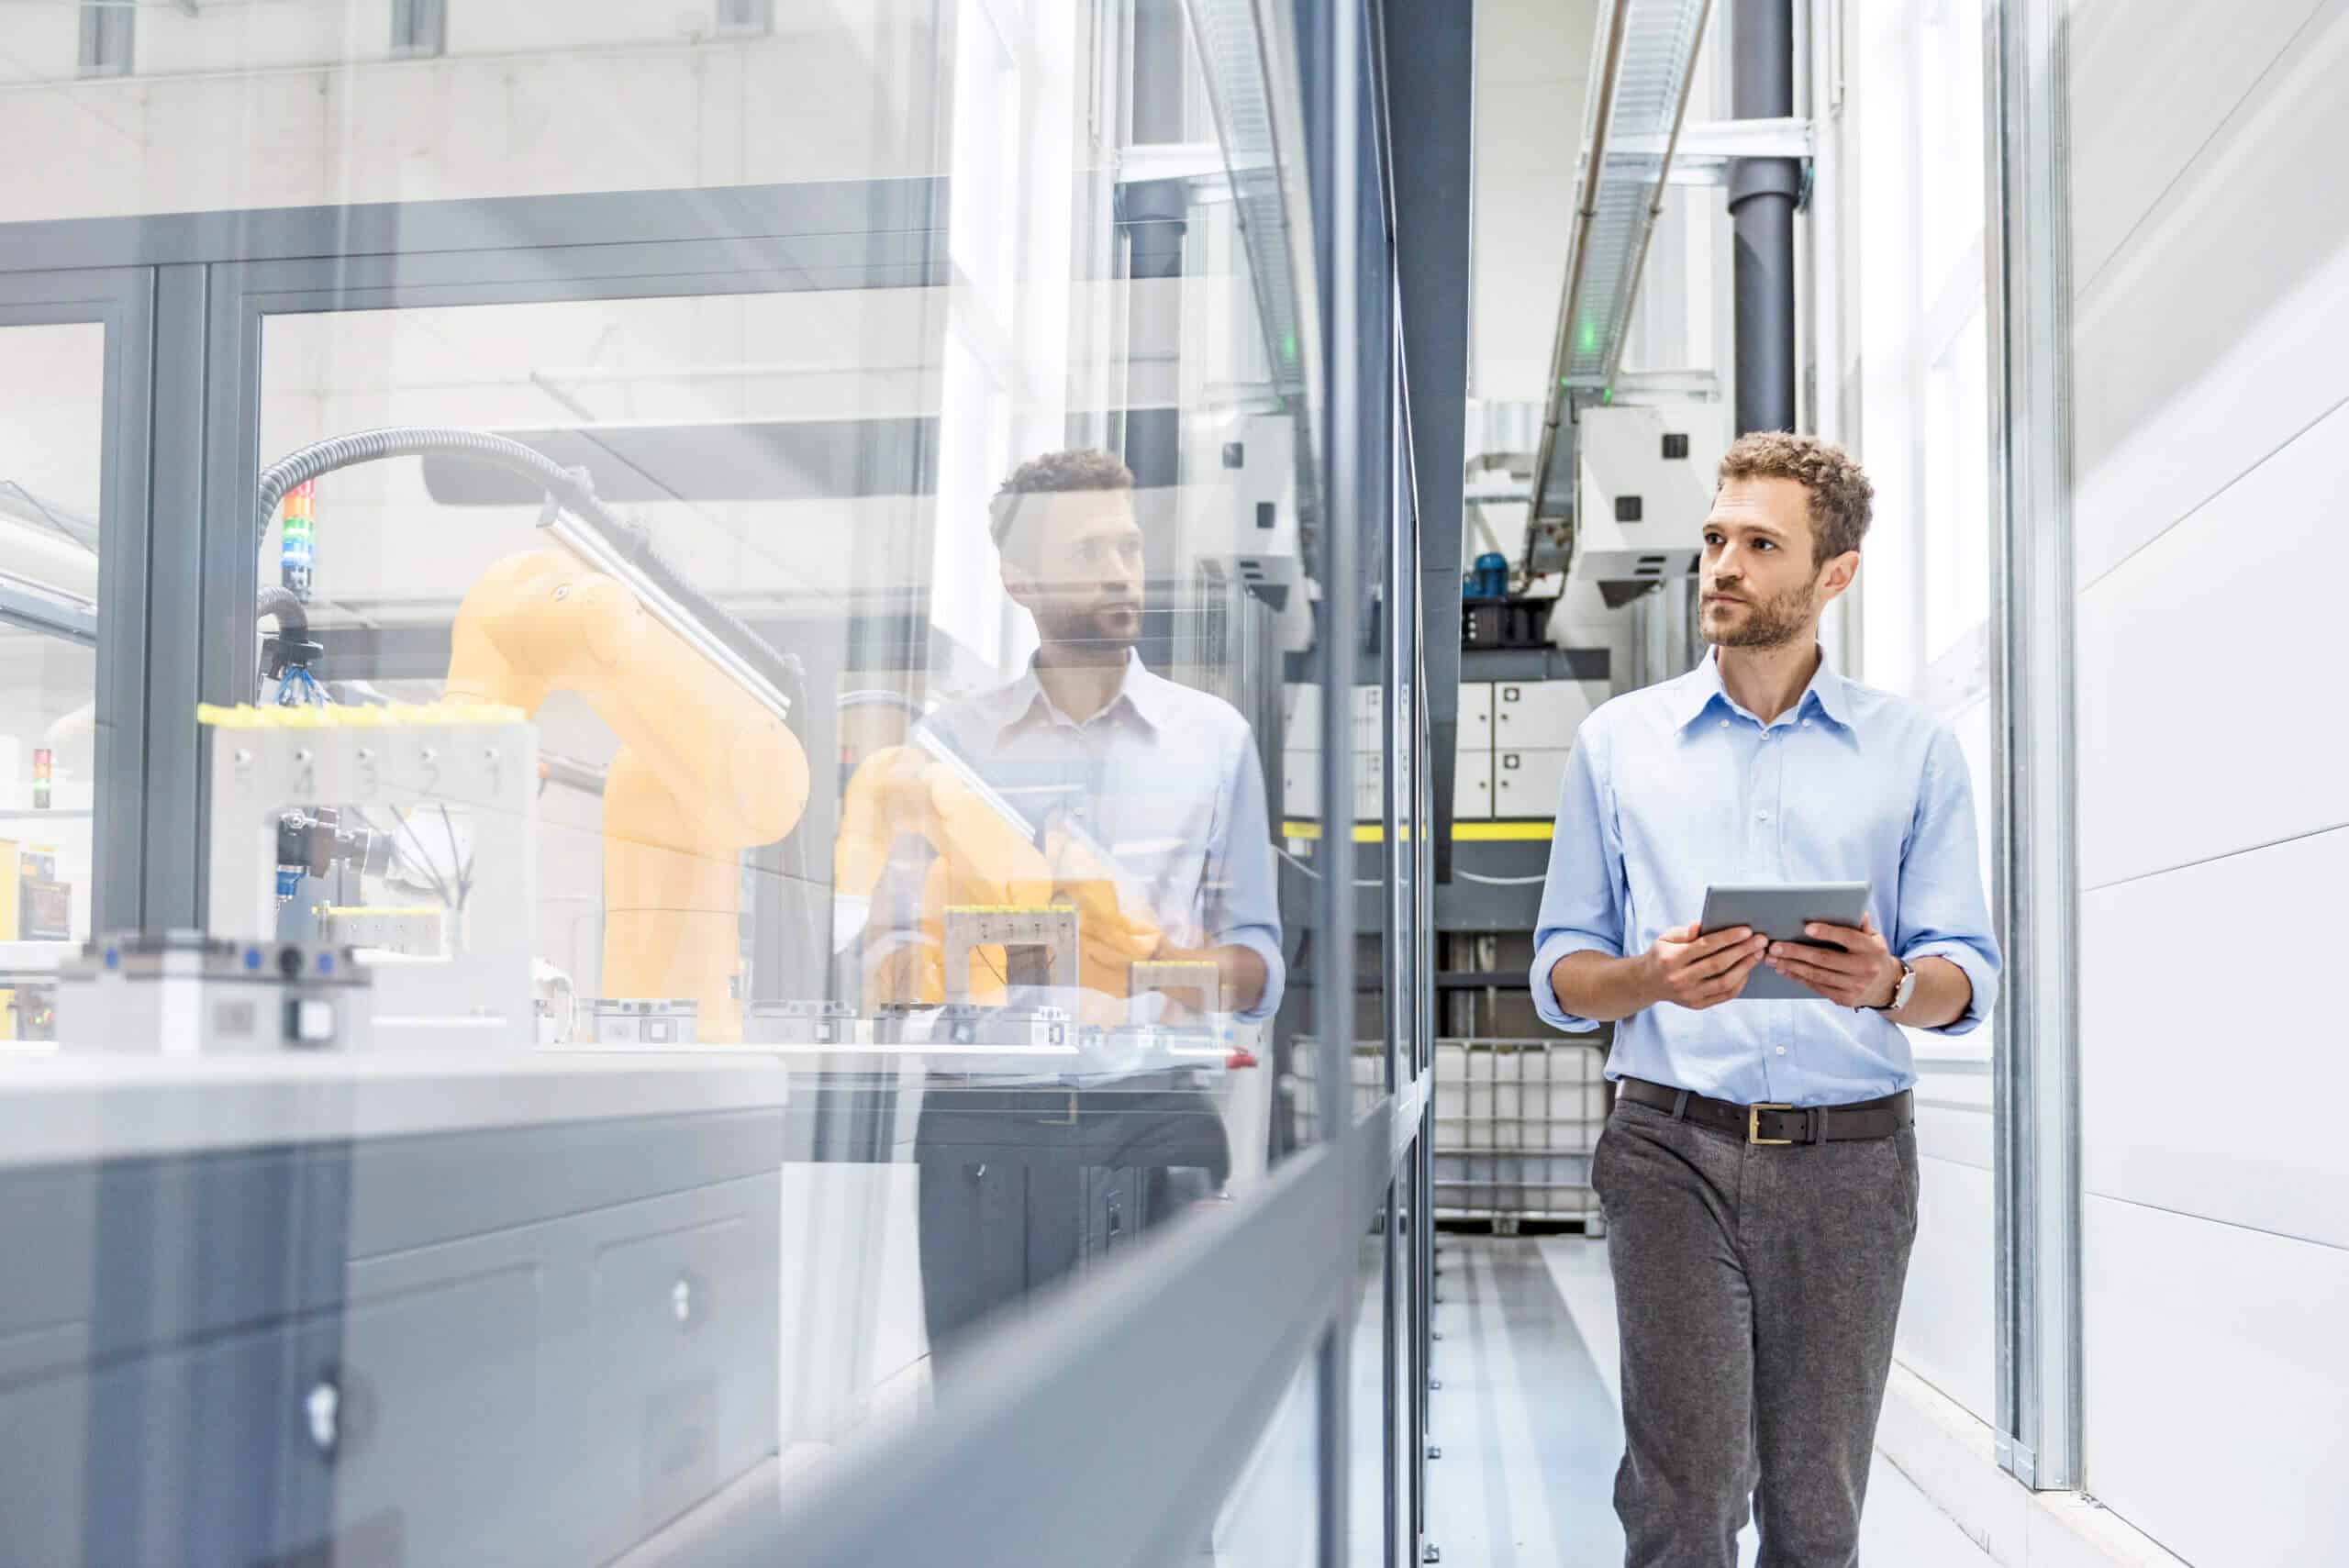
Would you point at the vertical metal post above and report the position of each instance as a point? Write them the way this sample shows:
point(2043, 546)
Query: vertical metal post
point(1829, 285)
point(171, 891)
point(2036, 1090)
point(1347, 504)
point(1762, 195)
point(118, 762)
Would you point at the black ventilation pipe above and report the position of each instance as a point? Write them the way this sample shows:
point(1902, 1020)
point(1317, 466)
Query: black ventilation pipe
point(1762, 194)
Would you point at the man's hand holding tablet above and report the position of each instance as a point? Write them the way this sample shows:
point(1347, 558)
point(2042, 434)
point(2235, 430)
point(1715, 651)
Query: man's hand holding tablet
point(1856, 971)
point(1698, 970)
point(1795, 921)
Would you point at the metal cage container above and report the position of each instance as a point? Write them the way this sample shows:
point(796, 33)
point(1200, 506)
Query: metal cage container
point(1516, 1122)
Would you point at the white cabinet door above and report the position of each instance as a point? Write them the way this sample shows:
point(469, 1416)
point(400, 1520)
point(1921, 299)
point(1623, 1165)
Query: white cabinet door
point(1541, 715)
point(1475, 716)
point(1471, 786)
point(1526, 784)
point(1300, 784)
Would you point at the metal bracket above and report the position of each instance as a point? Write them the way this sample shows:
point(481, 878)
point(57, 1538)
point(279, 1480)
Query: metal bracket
point(1707, 148)
point(1720, 140)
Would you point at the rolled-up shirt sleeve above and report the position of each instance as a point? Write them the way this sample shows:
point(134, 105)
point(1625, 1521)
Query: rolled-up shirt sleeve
point(1943, 913)
point(1582, 900)
point(1243, 907)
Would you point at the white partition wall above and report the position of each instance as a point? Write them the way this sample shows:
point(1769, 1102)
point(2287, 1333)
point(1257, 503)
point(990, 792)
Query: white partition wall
point(2212, 358)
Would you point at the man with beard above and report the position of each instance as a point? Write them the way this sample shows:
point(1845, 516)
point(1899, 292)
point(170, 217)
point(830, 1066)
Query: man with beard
point(1759, 1170)
point(1148, 802)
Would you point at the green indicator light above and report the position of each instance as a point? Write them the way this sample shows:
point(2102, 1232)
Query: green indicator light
point(1288, 345)
point(1590, 336)
point(1607, 394)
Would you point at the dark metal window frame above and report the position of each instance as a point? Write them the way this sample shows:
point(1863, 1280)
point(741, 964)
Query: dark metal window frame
point(122, 301)
point(192, 290)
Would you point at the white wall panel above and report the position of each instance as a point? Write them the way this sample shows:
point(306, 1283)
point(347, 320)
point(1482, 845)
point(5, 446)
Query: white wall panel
point(2182, 993)
point(1948, 1316)
point(2207, 675)
point(2221, 328)
point(1953, 1116)
point(2217, 1368)
point(2128, 144)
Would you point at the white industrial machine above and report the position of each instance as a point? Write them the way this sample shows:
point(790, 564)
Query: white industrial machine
point(461, 778)
point(1647, 487)
point(1238, 497)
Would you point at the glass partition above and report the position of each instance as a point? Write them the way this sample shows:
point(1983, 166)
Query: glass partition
point(1920, 401)
point(758, 818)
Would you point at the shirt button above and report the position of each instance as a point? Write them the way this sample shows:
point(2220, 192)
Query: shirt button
point(1724, 724)
point(1782, 1050)
point(1806, 724)
point(1762, 816)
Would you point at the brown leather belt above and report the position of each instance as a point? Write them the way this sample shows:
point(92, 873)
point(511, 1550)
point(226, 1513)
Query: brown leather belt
point(1772, 1124)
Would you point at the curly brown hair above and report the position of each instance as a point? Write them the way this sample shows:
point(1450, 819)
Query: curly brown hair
point(1842, 498)
point(1077, 469)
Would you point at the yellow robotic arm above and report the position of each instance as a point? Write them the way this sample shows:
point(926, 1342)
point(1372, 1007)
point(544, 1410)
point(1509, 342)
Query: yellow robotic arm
point(982, 859)
point(704, 770)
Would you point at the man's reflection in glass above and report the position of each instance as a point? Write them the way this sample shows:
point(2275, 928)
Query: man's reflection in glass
point(1141, 803)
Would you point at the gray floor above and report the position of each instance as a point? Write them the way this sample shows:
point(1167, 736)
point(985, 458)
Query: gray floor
point(1529, 1428)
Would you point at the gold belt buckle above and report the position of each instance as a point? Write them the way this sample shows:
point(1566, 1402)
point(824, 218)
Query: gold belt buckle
point(1753, 1124)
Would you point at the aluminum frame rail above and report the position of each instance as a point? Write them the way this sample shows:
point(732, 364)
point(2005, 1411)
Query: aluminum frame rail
point(1641, 76)
point(2035, 1089)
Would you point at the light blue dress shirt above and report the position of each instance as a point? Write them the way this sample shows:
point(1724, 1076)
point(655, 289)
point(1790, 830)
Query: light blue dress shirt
point(1167, 779)
point(1676, 788)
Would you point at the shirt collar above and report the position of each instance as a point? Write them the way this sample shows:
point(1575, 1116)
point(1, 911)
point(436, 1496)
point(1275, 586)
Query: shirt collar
point(1140, 694)
point(1829, 693)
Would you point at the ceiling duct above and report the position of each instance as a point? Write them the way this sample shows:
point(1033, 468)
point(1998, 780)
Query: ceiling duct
point(1640, 78)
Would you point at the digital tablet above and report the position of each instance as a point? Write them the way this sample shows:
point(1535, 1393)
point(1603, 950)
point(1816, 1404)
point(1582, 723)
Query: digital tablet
point(1780, 911)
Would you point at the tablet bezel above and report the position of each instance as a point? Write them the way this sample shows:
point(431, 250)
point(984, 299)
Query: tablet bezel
point(1780, 911)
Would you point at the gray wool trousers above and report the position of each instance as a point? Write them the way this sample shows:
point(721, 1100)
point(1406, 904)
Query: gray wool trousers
point(1756, 1289)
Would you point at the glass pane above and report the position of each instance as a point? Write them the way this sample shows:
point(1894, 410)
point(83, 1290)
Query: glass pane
point(864, 713)
point(764, 837)
point(1272, 1517)
point(1923, 408)
point(51, 422)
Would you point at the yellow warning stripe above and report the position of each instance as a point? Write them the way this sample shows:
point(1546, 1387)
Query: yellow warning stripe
point(1469, 832)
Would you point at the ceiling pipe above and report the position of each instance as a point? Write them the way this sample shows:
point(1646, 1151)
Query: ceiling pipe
point(1763, 196)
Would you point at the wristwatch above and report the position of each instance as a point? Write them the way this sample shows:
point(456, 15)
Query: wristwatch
point(1902, 992)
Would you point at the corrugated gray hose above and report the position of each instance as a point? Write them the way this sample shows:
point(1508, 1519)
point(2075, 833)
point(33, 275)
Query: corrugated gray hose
point(293, 617)
point(572, 488)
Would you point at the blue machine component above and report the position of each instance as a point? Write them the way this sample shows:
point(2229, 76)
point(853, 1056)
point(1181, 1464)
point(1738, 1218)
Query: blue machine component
point(1488, 579)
